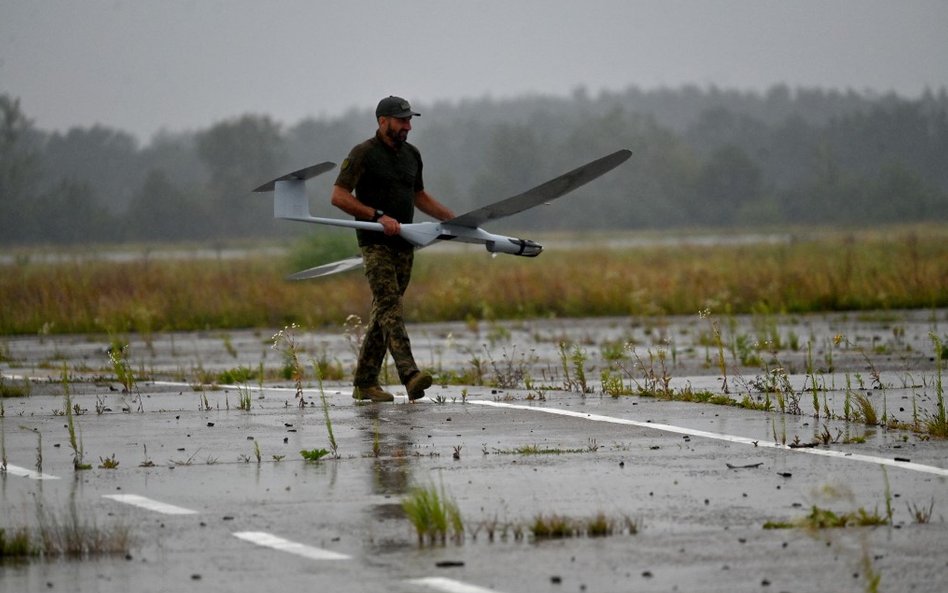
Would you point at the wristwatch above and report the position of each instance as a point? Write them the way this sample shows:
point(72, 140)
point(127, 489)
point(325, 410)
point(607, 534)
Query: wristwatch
point(378, 214)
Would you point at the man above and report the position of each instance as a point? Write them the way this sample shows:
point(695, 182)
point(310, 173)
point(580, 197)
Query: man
point(381, 180)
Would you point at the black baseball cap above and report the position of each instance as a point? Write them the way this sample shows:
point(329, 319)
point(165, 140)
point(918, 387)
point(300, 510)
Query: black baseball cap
point(393, 106)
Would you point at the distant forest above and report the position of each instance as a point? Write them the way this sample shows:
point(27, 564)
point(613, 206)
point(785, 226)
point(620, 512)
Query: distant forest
point(702, 157)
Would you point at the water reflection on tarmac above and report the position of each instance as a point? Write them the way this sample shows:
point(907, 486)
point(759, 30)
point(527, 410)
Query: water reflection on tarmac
point(699, 480)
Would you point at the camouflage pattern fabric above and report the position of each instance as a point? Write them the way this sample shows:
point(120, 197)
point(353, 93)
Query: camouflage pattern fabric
point(388, 271)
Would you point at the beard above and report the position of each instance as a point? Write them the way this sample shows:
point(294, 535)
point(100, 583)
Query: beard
point(398, 137)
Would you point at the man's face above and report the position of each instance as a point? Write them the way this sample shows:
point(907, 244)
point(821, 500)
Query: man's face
point(395, 129)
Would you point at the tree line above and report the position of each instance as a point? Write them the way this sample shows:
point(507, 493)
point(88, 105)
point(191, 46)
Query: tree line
point(702, 157)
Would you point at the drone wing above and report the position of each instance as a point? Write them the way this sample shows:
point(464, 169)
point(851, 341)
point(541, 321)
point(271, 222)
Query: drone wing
point(545, 192)
point(327, 269)
point(300, 175)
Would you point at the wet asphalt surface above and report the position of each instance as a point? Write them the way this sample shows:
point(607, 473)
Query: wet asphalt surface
point(697, 480)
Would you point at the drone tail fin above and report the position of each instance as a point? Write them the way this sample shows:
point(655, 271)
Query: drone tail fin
point(289, 200)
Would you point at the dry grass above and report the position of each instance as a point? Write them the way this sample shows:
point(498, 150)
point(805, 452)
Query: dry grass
point(881, 269)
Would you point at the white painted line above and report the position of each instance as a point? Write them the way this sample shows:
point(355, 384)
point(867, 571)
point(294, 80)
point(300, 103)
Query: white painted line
point(149, 504)
point(450, 585)
point(930, 469)
point(219, 387)
point(22, 472)
point(268, 540)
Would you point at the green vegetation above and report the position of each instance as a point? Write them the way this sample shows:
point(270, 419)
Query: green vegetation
point(556, 526)
point(13, 389)
point(285, 342)
point(68, 536)
point(814, 272)
point(938, 424)
point(820, 518)
point(74, 443)
point(433, 515)
point(313, 454)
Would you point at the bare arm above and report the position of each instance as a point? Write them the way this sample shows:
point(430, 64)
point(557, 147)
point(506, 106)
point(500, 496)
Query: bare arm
point(344, 200)
point(432, 207)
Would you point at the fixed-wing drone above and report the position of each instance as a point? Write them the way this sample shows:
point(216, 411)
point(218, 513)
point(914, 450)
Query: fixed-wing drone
point(290, 203)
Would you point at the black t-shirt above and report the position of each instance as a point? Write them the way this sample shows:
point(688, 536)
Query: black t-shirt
point(385, 179)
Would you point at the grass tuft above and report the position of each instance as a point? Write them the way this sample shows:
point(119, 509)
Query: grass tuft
point(433, 515)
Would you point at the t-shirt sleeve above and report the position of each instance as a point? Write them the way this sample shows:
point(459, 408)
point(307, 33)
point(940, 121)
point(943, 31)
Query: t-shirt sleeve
point(351, 169)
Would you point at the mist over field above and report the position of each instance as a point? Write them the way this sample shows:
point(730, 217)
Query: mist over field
point(130, 121)
point(702, 157)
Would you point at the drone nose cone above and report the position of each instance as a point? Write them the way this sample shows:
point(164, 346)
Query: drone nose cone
point(514, 246)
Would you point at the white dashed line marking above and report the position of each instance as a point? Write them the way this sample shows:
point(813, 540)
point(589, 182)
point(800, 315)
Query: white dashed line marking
point(450, 585)
point(16, 470)
point(149, 504)
point(930, 469)
point(269, 540)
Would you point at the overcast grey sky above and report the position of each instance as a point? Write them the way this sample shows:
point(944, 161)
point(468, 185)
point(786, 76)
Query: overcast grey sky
point(143, 65)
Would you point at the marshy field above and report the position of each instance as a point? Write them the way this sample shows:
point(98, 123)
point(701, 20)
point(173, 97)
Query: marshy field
point(646, 412)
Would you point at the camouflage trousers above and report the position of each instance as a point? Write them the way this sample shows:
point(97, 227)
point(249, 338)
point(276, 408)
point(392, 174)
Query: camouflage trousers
point(388, 272)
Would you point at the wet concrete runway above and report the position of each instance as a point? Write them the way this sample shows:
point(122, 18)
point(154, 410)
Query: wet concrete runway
point(699, 481)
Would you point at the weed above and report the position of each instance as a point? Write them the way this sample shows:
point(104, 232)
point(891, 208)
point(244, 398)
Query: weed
point(244, 400)
point(256, 451)
point(328, 421)
point(719, 344)
point(922, 515)
point(229, 345)
point(74, 443)
point(820, 518)
point(556, 526)
point(777, 382)
point(203, 404)
point(745, 348)
point(187, 461)
point(146, 462)
point(573, 358)
point(433, 515)
point(865, 410)
point(108, 462)
point(17, 545)
point(285, 342)
point(313, 454)
point(553, 526)
point(236, 375)
point(599, 525)
point(812, 376)
point(39, 447)
point(72, 536)
point(118, 357)
point(13, 390)
point(511, 372)
point(612, 384)
point(937, 425)
point(655, 382)
point(613, 351)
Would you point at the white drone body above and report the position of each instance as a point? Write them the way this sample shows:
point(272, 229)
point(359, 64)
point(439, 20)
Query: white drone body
point(290, 203)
